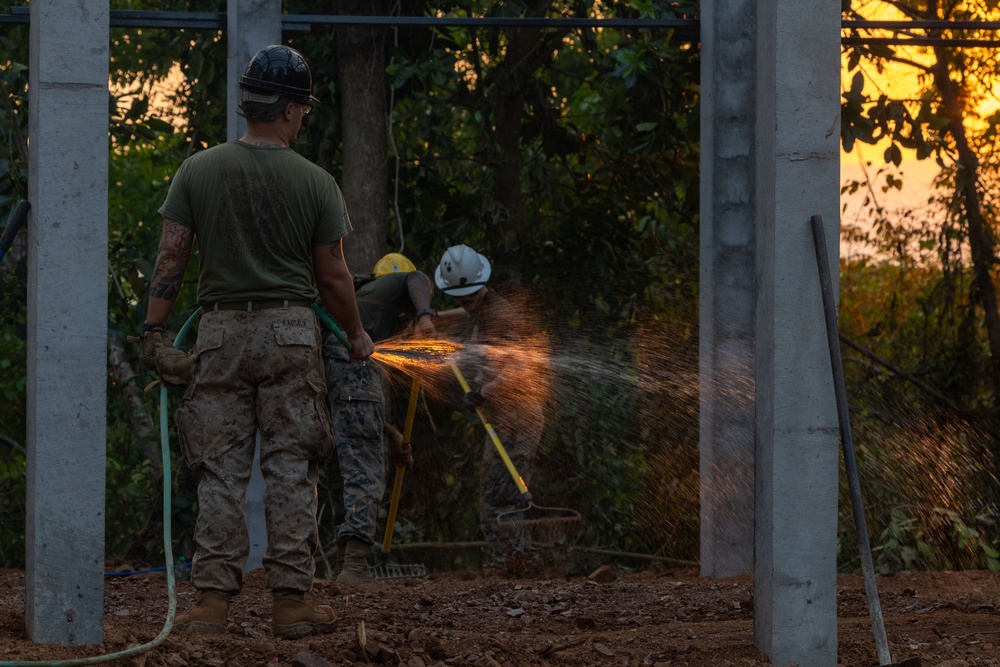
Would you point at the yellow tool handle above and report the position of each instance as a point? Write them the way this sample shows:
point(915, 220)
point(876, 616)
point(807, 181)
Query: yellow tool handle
point(397, 485)
point(397, 488)
point(514, 475)
point(461, 378)
point(411, 411)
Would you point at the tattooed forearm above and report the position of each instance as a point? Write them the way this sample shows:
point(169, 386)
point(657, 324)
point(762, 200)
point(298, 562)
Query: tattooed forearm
point(171, 260)
point(166, 284)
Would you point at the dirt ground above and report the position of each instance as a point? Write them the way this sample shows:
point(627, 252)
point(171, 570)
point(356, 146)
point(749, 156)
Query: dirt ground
point(944, 619)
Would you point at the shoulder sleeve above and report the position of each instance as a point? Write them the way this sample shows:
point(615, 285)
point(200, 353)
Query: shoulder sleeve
point(177, 205)
point(334, 223)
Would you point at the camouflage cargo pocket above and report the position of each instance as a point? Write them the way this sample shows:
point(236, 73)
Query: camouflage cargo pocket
point(292, 331)
point(326, 443)
point(210, 338)
point(188, 425)
point(359, 418)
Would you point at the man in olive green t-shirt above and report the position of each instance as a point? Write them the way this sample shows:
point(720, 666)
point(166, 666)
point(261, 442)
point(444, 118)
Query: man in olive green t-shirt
point(269, 225)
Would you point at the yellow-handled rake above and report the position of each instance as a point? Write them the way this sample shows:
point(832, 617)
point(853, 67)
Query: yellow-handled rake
point(386, 570)
point(548, 517)
point(397, 486)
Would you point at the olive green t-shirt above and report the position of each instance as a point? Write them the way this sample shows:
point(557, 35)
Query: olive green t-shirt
point(256, 214)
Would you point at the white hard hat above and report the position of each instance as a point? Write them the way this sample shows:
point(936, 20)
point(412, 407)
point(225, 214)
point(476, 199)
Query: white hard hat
point(462, 271)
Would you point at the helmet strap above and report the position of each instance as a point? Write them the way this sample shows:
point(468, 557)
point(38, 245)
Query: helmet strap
point(447, 290)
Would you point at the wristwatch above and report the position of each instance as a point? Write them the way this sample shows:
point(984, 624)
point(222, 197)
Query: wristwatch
point(425, 311)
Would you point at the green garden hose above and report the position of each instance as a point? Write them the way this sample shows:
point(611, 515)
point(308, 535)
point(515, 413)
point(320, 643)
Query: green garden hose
point(337, 331)
point(168, 552)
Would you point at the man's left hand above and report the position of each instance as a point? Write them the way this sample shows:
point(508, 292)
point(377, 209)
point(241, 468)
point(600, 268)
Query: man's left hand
point(423, 326)
point(175, 367)
point(402, 452)
point(151, 342)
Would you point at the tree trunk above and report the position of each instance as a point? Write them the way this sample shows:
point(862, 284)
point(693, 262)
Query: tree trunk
point(980, 238)
point(127, 381)
point(363, 111)
point(526, 51)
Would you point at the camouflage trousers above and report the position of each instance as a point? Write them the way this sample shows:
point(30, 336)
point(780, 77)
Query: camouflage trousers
point(259, 371)
point(356, 474)
point(497, 491)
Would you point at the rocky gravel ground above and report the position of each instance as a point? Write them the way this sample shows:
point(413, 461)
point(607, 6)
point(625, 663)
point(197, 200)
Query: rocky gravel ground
point(943, 619)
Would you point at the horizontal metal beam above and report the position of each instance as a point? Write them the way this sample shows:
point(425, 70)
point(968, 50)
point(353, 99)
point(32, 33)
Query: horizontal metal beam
point(929, 24)
point(121, 18)
point(920, 41)
point(908, 38)
point(493, 22)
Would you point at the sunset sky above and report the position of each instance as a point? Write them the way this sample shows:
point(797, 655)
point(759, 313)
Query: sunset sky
point(898, 82)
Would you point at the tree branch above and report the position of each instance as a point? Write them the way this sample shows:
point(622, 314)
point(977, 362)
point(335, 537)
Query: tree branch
point(904, 9)
point(125, 379)
point(903, 374)
point(906, 61)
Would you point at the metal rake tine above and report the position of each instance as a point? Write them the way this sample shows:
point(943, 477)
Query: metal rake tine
point(401, 571)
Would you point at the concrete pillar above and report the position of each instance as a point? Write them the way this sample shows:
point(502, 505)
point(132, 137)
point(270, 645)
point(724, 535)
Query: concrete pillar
point(727, 286)
point(797, 435)
point(67, 321)
point(251, 25)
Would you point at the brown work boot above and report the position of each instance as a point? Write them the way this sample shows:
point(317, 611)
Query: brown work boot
point(295, 615)
point(355, 568)
point(208, 615)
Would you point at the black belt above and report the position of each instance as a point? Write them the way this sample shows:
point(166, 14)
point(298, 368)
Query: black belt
point(251, 306)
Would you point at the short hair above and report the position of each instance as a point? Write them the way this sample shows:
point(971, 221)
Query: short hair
point(261, 107)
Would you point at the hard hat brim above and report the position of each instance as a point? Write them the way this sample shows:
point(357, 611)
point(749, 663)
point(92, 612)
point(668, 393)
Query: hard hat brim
point(394, 262)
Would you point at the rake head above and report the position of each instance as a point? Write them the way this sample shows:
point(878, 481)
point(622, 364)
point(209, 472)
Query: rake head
point(543, 524)
point(397, 571)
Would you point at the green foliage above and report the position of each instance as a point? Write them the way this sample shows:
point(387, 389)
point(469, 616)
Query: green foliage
point(13, 115)
point(602, 232)
point(147, 142)
point(905, 544)
point(901, 546)
point(608, 160)
point(13, 277)
point(133, 508)
point(12, 496)
point(605, 237)
point(924, 308)
point(926, 464)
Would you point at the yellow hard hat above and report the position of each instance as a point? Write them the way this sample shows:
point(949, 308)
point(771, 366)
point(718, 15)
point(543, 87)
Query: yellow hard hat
point(393, 263)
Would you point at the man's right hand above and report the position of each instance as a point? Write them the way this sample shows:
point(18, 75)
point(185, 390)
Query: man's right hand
point(361, 346)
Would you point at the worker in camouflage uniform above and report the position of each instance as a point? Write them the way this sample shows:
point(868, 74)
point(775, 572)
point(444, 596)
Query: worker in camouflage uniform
point(511, 390)
point(269, 226)
point(397, 296)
